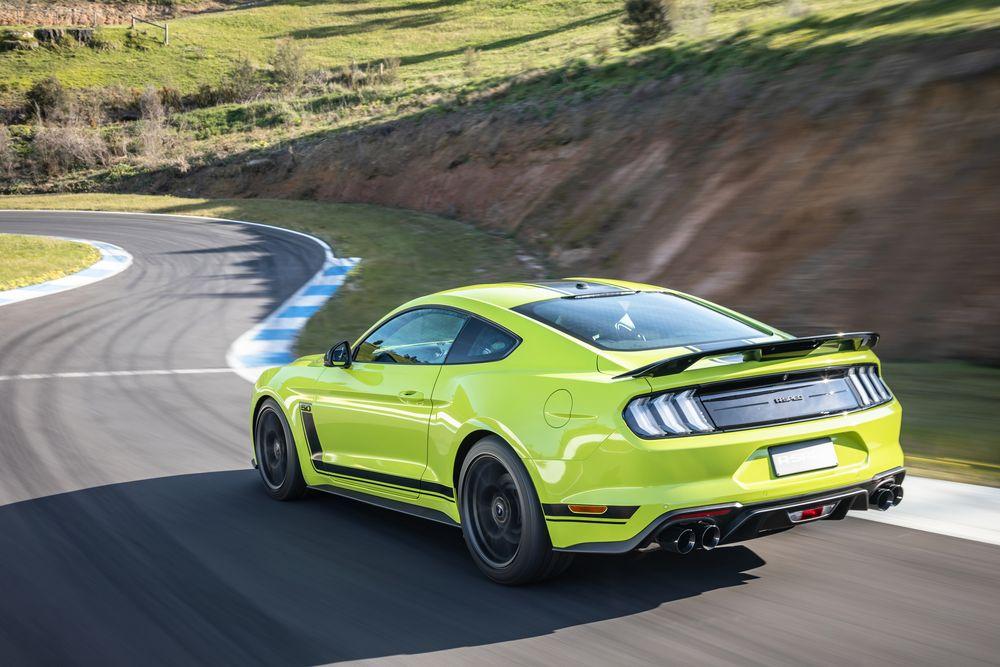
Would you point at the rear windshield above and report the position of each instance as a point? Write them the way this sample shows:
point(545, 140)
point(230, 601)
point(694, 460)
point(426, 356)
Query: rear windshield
point(642, 321)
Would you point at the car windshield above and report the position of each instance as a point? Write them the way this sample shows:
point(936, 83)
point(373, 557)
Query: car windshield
point(640, 321)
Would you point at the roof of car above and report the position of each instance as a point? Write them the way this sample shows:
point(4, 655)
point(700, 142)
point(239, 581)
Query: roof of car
point(513, 294)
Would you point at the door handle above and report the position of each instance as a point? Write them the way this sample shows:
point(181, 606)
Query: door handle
point(411, 396)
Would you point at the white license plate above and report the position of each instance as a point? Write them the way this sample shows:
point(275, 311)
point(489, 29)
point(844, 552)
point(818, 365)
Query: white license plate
point(802, 457)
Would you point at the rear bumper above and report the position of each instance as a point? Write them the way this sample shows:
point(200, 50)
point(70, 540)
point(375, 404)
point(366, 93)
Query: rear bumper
point(643, 480)
point(744, 522)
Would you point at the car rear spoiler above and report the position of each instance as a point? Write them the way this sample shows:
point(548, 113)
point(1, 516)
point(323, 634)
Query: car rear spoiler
point(846, 342)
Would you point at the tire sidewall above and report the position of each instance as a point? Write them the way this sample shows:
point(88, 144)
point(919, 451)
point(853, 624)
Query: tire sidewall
point(292, 484)
point(535, 548)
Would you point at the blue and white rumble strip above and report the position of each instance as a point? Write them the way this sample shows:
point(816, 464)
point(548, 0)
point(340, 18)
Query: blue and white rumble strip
point(113, 261)
point(271, 342)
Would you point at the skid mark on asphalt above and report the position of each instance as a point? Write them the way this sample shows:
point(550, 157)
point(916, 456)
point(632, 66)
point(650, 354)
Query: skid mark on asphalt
point(102, 374)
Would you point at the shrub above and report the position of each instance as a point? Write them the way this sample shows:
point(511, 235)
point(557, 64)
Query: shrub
point(645, 22)
point(288, 65)
point(388, 70)
point(242, 83)
point(153, 126)
point(47, 97)
point(470, 62)
point(59, 148)
point(172, 98)
point(8, 157)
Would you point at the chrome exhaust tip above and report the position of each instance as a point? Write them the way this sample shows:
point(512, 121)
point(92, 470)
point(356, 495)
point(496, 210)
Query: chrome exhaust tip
point(678, 539)
point(882, 499)
point(709, 537)
point(897, 495)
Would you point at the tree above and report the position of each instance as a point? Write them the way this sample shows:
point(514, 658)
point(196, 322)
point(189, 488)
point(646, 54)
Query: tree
point(645, 22)
point(288, 63)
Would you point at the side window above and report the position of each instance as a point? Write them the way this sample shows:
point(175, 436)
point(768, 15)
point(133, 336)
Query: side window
point(422, 336)
point(480, 342)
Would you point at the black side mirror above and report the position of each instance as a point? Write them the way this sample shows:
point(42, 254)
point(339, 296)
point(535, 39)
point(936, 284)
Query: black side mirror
point(339, 355)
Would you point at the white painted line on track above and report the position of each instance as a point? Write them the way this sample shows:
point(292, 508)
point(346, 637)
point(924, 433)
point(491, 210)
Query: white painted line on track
point(947, 508)
point(103, 374)
point(113, 261)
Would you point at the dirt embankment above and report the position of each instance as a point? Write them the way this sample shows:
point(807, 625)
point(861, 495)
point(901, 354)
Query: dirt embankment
point(817, 201)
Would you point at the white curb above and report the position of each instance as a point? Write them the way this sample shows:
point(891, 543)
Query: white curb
point(947, 508)
point(113, 261)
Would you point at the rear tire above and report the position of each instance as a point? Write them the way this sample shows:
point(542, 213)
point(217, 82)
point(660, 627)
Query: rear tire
point(277, 458)
point(502, 518)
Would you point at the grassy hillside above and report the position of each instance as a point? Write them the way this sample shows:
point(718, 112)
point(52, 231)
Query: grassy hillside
point(370, 62)
point(432, 37)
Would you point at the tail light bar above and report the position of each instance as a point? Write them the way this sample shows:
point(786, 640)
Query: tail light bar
point(757, 401)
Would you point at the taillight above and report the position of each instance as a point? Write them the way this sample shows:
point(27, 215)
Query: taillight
point(674, 413)
point(869, 387)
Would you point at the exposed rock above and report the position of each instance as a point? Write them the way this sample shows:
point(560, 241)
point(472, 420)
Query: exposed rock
point(82, 35)
point(49, 35)
point(17, 41)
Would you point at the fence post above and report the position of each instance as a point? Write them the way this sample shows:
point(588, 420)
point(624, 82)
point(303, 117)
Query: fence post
point(133, 23)
point(166, 33)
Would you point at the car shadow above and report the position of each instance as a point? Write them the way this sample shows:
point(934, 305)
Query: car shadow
point(206, 568)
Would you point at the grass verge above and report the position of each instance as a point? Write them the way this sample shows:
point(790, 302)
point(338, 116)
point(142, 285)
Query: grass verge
point(29, 260)
point(404, 254)
point(950, 425)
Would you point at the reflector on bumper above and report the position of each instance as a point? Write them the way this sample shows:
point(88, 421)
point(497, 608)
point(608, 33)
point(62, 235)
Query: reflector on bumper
point(811, 513)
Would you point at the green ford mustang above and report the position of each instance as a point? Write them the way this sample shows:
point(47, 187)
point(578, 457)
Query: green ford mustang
point(584, 416)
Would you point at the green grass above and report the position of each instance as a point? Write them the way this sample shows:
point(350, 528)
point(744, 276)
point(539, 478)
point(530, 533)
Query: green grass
point(951, 424)
point(28, 260)
point(404, 254)
point(431, 36)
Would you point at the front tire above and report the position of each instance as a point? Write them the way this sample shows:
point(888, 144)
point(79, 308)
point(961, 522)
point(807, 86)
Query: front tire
point(502, 518)
point(277, 458)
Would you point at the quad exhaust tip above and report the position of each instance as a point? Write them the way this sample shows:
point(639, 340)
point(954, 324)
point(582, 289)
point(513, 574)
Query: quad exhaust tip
point(709, 537)
point(678, 539)
point(885, 497)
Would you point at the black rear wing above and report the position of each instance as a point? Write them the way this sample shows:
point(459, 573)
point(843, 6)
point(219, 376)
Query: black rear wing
point(846, 342)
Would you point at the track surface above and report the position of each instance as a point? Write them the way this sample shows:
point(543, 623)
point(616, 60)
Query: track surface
point(133, 532)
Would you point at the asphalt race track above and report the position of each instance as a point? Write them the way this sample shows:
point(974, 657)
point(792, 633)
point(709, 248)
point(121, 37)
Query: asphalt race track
point(133, 531)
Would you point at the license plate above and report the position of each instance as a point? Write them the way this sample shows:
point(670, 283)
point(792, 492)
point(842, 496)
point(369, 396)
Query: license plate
point(802, 457)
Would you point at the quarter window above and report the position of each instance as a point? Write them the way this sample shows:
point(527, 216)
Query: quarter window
point(480, 342)
point(422, 336)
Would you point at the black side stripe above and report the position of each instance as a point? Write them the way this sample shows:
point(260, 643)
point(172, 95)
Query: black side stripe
point(307, 421)
point(373, 476)
point(316, 449)
point(613, 512)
